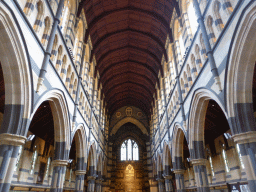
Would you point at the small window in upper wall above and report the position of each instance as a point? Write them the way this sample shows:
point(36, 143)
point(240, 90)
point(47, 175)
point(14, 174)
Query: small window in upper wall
point(64, 17)
point(192, 18)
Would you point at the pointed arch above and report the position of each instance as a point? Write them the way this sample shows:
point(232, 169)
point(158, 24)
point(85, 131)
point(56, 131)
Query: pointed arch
point(177, 147)
point(126, 120)
point(81, 143)
point(59, 106)
point(167, 159)
point(17, 72)
point(239, 75)
point(92, 159)
point(196, 120)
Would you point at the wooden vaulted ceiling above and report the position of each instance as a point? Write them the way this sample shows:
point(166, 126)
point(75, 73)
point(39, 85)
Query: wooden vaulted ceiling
point(128, 38)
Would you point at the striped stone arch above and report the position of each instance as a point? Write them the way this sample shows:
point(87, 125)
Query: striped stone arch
point(92, 159)
point(196, 120)
point(61, 121)
point(159, 165)
point(131, 120)
point(177, 147)
point(167, 160)
point(154, 168)
point(239, 73)
point(17, 74)
point(100, 165)
point(105, 167)
point(81, 142)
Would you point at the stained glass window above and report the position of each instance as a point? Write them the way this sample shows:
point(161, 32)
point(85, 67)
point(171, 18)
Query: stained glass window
point(129, 151)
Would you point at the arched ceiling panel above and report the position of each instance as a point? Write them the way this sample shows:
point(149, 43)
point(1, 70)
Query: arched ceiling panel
point(128, 38)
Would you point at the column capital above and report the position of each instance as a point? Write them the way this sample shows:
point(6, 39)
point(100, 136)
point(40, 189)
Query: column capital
point(247, 137)
point(60, 163)
point(99, 180)
point(12, 139)
point(80, 172)
point(91, 177)
point(179, 171)
point(198, 161)
point(167, 177)
point(160, 180)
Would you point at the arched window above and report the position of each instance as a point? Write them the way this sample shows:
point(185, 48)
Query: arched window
point(33, 162)
point(47, 168)
point(211, 34)
point(65, 16)
point(225, 158)
point(129, 151)
point(46, 34)
point(192, 18)
point(203, 50)
point(240, 156)
point(218, 19)
point(227, 6)
point(18, 158)
point(198, 58)
point(39, 17)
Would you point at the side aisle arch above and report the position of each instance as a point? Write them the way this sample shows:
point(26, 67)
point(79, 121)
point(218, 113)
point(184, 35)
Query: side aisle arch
point(239, 73)
point(61, 120)
point(196, 120)
point(81, 142)
point(177, 147)
point(17, 74)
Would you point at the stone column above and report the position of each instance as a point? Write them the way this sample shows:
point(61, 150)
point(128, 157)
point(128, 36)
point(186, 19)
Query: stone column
point(58, 175)
point(153, 185)
point(99, 185)
point(9, 149)
point(247, 145)
point(91, 183)
point(168, 183)
point(160, 182)
point(80, 180)
point(201, 175)
point(179, 177)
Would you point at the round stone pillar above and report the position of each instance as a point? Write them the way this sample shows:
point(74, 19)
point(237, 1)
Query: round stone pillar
point(58, 176)
point(201, 175)
point(91, 183)
point(80, 180)
point(168, 183)
point(9, 149)
point(247, 145)
point(160, 185)
point(99, 185)
point(179, 177)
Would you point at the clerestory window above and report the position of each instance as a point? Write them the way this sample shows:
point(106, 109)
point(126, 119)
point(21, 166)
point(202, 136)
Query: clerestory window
point(129, 151)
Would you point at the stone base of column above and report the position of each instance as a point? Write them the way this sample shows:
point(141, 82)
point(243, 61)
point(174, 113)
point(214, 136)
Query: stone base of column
point(201, 175)
point(9, 149)
point(179, 177)
point(58, 175)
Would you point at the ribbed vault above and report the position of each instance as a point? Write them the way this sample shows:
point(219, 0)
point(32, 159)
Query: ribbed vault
point(128, 38)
